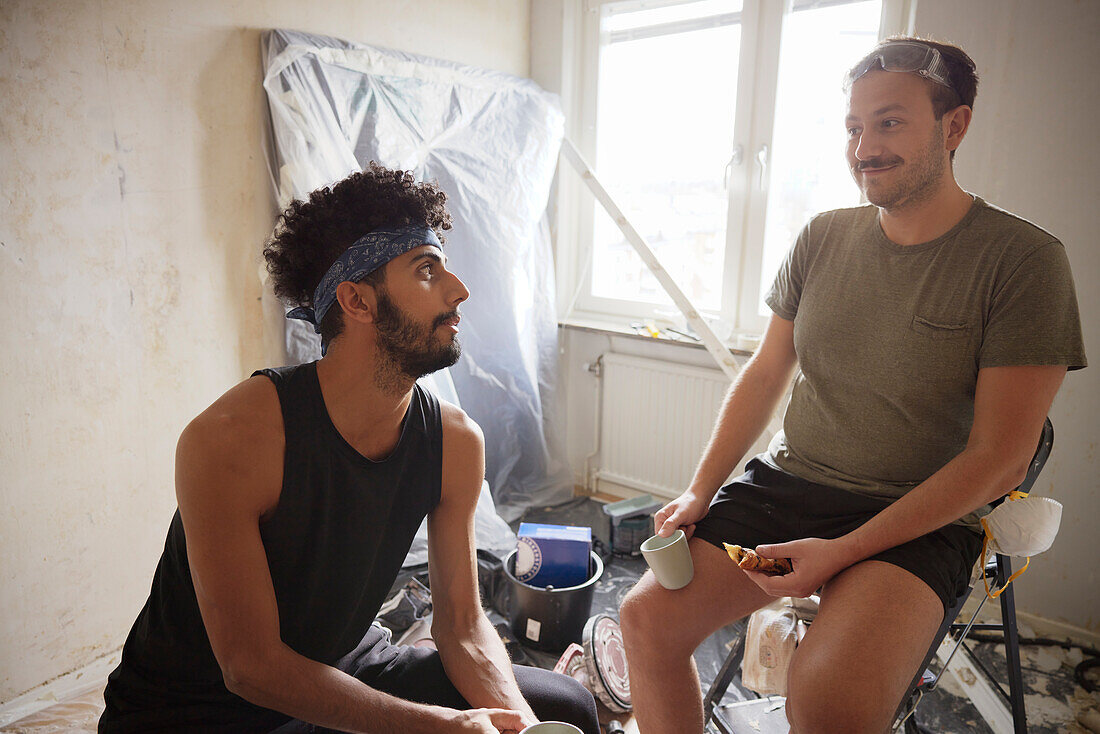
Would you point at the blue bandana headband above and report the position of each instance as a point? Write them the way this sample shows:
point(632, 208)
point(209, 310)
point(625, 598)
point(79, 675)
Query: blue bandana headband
point(370, 252)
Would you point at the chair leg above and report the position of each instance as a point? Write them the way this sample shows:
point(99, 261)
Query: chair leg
point(910, 699)
point(1012, 646)
point(722, 681)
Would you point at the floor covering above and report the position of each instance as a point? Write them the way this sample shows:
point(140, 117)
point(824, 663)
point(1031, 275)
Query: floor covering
point(1053, 698)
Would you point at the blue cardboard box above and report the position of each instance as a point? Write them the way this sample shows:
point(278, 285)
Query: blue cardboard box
point(553, 555)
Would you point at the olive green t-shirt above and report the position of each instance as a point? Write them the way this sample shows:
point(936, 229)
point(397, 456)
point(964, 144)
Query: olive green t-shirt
point(890, 339)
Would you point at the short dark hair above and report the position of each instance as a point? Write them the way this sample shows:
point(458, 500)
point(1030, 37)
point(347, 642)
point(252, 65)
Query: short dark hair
point(961, 72)
point(311, 234)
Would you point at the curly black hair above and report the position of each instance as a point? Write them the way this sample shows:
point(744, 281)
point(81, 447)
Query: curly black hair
point(311, 234)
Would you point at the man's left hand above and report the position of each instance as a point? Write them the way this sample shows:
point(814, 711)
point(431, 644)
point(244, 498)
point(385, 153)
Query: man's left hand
point(815, 561)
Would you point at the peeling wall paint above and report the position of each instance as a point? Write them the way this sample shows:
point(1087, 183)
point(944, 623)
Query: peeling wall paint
point(134, 200)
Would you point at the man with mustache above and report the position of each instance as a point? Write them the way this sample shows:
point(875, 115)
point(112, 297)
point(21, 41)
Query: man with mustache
point(300, 491)
point(930, 332)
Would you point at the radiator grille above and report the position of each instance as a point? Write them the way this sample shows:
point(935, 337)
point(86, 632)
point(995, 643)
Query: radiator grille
point(656, 418)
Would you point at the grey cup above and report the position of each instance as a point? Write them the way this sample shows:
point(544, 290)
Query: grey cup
point(670, 560)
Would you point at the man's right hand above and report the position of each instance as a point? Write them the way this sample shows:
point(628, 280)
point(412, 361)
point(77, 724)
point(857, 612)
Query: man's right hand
point(484, 721)
point(682, 512)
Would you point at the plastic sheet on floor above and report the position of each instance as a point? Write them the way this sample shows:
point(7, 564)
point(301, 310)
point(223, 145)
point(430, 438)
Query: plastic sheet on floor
point(77, 715)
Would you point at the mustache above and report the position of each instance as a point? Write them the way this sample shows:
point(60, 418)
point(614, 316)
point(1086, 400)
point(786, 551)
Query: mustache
point(444, 317)
point(878, 163)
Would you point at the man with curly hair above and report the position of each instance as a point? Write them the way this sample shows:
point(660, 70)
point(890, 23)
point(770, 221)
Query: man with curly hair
point(299, 494)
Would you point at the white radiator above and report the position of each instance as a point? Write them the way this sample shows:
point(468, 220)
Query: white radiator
point(655, 420)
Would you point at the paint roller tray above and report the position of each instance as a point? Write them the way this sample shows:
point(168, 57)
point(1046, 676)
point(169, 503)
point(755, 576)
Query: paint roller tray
point(631, 523)
point(642, 505)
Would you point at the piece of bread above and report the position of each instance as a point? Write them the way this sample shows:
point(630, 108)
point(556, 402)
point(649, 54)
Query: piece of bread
point(749, 560)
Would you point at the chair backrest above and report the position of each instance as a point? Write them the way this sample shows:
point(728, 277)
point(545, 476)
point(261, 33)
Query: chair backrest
point(1042, 453)
point(1003, 568)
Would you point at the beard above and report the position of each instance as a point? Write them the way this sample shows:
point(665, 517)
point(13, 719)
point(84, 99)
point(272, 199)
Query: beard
point(917, 182)
point(409, 349)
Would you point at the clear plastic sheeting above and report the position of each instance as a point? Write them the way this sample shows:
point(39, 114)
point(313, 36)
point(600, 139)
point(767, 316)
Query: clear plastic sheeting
point(491, 140)
point(77, 713)
point(491, 533)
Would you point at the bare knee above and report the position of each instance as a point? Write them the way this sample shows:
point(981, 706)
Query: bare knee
point(821, 699)
point(636, 616)
point(645, 618)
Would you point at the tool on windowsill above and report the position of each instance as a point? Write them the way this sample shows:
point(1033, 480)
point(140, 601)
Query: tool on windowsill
point(645, 329)
point(683, 334)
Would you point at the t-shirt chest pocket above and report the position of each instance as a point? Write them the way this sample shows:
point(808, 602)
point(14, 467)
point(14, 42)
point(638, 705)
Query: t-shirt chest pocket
point(940, 327)
point(943, 348)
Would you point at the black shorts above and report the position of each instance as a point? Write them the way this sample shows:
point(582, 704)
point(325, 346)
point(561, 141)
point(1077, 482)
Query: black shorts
point(416, 674)
point(766, 505)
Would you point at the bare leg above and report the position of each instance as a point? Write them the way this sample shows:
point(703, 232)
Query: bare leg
point(662, 628)
point(873, 630)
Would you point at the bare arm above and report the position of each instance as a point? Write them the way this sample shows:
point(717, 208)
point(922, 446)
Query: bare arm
point(1010, 405)
point(228, 475)
point(471, 650)
point(750, 403)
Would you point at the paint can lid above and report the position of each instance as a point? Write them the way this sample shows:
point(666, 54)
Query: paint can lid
point(605, 661)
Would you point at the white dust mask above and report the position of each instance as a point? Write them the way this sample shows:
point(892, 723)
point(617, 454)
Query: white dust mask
point(1020, 526)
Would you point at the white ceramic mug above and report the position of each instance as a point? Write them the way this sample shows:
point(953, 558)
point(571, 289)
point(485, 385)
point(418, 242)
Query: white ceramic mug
point(670, 560)
point(551, 727)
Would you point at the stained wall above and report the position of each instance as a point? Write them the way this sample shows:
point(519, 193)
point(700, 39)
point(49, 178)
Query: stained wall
point(134, 199)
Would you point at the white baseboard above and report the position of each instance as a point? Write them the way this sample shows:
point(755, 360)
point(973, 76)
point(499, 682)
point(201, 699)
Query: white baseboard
point(1043, 627)
point(62, 688)
point(1035, 625)
point(605, 485)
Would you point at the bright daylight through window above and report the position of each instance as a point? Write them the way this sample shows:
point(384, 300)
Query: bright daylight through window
point(719, 131)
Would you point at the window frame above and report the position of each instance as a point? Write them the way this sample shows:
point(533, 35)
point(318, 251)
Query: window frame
point(748, 187)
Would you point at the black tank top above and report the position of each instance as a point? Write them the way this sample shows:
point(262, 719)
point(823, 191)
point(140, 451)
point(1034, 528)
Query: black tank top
point(334, 545)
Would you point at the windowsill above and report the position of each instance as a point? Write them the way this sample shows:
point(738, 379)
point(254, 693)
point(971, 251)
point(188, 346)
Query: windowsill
point(611, 326)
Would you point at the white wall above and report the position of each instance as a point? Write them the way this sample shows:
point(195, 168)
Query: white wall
point(135, 200)
point(1032, 149)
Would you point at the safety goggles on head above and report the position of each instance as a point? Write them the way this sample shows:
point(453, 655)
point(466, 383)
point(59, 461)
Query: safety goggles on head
point(908, 56)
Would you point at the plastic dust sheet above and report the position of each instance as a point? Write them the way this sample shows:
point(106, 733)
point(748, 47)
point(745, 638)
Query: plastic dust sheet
point(78, 714)
point(491, 140)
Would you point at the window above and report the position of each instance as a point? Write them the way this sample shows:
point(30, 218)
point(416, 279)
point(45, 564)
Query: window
point(718, 129)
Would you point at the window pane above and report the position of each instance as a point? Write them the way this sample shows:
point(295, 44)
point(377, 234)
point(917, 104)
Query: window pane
point(622, 17)
point(667, 90)
point(809, 173)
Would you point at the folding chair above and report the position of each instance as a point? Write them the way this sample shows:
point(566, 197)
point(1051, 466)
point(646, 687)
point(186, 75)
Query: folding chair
point(998, 569)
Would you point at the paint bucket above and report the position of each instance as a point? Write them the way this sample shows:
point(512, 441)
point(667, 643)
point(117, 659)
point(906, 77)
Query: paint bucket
point(549, 619)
